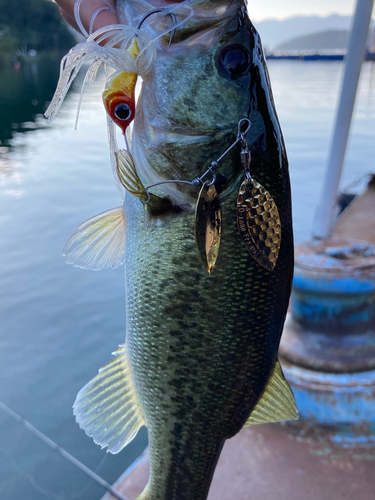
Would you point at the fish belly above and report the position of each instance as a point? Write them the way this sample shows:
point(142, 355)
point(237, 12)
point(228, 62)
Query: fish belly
point(201, 347)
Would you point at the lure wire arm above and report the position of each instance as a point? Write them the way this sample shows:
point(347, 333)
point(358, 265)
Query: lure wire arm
point(245, 157)
point(240, 138)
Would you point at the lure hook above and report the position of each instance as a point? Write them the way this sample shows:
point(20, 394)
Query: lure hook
point(155, 11)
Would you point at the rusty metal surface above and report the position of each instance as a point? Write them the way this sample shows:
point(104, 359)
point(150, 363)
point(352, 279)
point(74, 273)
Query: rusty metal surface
point(345, 352)
point(331, 325)
point(328, 345)
point(340, 255)
point(344, 401)
point(284, 463)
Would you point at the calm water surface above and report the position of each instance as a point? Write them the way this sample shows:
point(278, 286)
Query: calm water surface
point(59, 324)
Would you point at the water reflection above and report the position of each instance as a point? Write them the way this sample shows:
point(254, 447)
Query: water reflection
point(24, 95)
point(58, 324)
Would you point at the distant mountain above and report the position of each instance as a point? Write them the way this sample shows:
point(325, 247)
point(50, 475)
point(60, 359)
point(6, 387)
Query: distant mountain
point(323, 40)
point(274, 32)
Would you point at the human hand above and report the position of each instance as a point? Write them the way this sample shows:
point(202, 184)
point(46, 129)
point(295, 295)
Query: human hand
point(87, 10)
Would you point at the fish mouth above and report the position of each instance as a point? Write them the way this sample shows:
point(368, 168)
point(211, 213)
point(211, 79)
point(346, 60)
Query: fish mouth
point(209, 19)
point(187, 114)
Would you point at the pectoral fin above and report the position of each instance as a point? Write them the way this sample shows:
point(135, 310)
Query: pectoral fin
point(107, 409)
point(99, 242)
point(277, 402)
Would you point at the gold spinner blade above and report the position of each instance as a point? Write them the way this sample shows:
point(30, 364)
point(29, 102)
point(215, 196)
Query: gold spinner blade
point(208, 225)
point(258, 222)
point(128, 176)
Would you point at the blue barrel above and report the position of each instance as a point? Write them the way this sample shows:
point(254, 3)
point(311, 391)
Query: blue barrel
point(328, 346)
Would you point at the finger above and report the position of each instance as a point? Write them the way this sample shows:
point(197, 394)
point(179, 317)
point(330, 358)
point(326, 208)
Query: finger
point(68, 5)
point(104, 18)
point(86, 11)
point(69, 19)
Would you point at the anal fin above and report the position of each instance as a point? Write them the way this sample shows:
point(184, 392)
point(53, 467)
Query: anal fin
point(106, 408)
point(277, 401)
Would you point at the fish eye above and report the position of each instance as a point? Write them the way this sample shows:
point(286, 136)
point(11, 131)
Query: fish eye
point(123, 111)
point(233, 61)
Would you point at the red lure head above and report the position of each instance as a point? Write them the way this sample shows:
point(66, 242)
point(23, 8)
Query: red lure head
point(119, 99)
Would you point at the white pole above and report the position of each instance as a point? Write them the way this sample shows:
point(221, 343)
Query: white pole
point(326, 211)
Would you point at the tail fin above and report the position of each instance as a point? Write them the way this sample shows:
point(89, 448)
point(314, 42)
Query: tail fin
point(99, 242)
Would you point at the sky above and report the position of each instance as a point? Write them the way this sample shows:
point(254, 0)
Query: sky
point(282, 9)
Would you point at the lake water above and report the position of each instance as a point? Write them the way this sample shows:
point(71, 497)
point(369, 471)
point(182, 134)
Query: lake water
point(59, 324)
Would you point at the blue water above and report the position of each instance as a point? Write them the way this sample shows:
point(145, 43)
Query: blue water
point(59, 324)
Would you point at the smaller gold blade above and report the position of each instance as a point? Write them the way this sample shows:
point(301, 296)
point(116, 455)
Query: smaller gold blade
point(208, 225)
point(128, 176)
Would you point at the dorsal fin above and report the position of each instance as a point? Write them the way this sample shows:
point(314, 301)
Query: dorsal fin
point(277, 401)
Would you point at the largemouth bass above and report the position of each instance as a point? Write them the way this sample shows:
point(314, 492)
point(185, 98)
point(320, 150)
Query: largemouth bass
point(200, 356)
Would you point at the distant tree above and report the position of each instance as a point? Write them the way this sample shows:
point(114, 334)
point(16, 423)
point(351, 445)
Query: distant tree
point(323, 40)
point(35, 24)
point(8, 43)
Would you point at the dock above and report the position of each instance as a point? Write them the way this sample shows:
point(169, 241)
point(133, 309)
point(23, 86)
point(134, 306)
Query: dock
point(303, 56)
point(274, 461)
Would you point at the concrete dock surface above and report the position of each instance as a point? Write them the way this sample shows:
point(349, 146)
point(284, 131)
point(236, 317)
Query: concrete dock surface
point(282, 462)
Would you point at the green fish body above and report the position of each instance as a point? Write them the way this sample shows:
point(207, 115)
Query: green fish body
point(200, 356)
